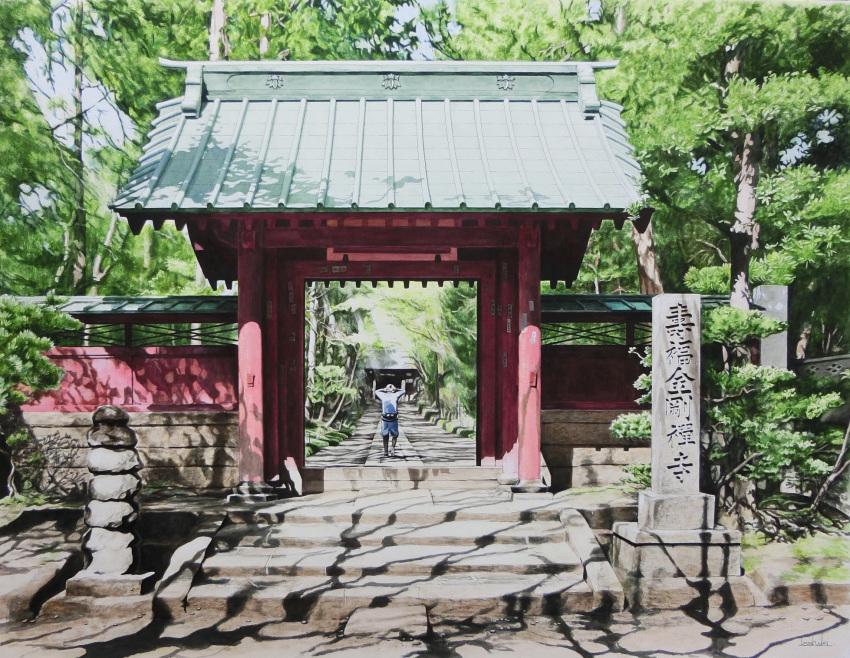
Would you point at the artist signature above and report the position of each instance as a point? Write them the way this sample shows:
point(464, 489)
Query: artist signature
point(814, 642)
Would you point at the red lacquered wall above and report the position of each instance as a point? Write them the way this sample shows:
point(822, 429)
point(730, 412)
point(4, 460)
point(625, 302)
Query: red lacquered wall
point(589, 377)
point(188, 378)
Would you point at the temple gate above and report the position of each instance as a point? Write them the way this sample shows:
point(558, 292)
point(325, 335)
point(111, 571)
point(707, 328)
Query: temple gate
point(490, 173)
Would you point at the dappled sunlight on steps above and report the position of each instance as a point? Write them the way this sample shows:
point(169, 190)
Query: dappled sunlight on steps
point(461, 553)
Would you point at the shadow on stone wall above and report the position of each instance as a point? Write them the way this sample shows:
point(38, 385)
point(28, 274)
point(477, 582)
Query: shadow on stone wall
point(193, 450)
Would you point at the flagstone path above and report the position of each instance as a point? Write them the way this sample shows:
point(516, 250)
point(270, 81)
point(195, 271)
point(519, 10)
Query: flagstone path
point(419, 443)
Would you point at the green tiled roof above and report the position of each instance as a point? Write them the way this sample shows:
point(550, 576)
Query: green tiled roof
point(186, 304)
point(620, 304)
point(384, 135)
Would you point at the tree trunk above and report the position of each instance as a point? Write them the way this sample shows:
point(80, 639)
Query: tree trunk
point(265, 26)
point(77, 228)
point(649, 274)
point(743, 236)
point(353, 371)
point(98, 272)
point(219, 45)
point(437, 384)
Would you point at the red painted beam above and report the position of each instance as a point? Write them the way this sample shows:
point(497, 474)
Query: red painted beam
point(385, 271)
point(416, 237)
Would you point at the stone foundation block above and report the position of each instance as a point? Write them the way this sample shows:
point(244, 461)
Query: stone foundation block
point(674, 593)
point(676, 553)
point(675, 511)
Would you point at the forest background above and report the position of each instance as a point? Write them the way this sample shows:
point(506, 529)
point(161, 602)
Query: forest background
point(738, 111)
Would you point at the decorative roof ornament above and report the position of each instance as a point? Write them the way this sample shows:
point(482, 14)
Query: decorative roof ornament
point(391, 81)
point(274, 81)
point(505, 82)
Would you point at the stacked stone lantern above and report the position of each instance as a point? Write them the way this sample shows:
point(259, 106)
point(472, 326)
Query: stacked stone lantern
point(111, 542)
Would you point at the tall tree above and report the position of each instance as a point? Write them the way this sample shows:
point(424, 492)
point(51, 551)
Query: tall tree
point(546, 31)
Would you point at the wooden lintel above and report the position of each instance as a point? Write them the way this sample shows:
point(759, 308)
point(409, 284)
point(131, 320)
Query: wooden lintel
point(389, 237)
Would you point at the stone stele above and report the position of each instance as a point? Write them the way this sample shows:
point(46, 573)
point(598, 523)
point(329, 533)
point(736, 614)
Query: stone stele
point(105, 460)
point(114, 487)
point(675, 538)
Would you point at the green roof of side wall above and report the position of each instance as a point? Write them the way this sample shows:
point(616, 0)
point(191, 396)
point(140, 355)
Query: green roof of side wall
point(267, 136)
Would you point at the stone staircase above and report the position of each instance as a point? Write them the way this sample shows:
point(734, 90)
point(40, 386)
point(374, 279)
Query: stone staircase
point(482, 553)
point(410, 476)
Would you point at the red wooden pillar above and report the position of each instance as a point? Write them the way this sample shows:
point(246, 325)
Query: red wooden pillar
point(506, 362)
point(271, 375)
point(250, 348)
point(528, 401)
point(290, 399)
point(487, 302)
point(529, 275)
point(529, 412)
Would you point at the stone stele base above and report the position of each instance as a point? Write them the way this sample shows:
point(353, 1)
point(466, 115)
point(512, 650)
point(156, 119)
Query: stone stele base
point(671, 568)
point(675, 511)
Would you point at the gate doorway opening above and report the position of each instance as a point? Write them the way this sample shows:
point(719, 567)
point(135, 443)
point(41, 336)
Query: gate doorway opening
point(421, 337)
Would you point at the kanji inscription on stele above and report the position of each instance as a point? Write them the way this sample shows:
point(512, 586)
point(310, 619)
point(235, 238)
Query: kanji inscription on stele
point(675, 393)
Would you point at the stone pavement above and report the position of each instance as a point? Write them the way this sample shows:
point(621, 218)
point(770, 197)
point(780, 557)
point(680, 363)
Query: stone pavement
point(419, 442)
point(405, 629)
point(807, 631)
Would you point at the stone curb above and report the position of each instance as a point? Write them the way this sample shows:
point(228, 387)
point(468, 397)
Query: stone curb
point(779, 592)
point(608, 593)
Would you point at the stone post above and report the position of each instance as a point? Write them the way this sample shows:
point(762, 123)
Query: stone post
point(111, 543)
point(774, 301)
point(666, 557)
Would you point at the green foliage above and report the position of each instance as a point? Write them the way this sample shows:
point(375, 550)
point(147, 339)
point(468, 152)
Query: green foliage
point(24, 371)
point(770, 412)
point(638, 475)
point(734, 326)
point(329, 381)
point(24, 331)
point(632, 426)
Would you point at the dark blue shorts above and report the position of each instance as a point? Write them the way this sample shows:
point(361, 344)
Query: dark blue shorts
point(389, 427)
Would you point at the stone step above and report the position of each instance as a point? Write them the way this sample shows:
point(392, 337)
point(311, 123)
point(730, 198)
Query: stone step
point(405, 560)
point(466, 532)
point(494, 506)
point(476, 594)
point(418, 474)
point(411, 477)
